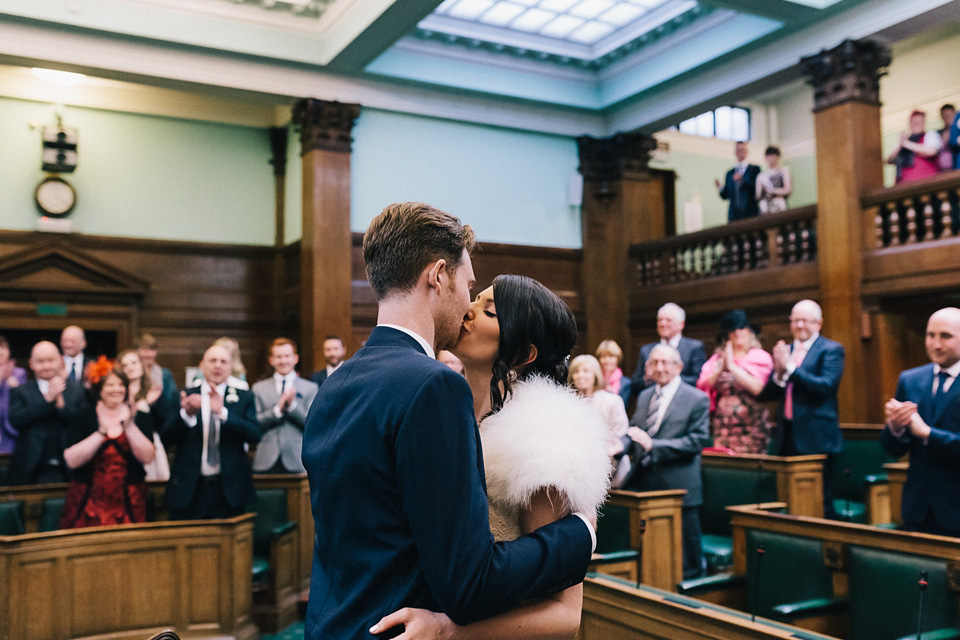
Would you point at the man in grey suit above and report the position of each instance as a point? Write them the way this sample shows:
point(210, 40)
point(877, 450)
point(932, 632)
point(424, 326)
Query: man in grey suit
point(282, 404)
point(669, 429)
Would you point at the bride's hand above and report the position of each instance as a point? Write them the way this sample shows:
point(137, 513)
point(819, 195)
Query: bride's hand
point(419, 624)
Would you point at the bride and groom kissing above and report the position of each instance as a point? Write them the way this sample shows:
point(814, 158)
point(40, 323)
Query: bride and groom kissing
point(426, 525)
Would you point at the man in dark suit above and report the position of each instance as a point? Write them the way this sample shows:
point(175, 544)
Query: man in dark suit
point(671, 319)
point(923, 419)
point(282, 400)
point(806, 377)
point(392, 451)
point(333, 354)
point(72, 342)
point(42, 410)
point(740, 187)
point(211, 475)
point(670, 427)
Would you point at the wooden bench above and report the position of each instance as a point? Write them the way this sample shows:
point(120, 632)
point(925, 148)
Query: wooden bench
point(290, 561)
point(128, 582)
point(614, 609)
point(632, 521)
point(897, 477)
point(860, 486)
point(874, 570)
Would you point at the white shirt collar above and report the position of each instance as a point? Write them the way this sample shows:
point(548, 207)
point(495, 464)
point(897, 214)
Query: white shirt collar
point(806, 344)
point(290, 377)
point(953, 370)
point(205, 388)
point(332, 369)
point(423, 343)
point(43, 385)
point(669, 390)
point(674, 341)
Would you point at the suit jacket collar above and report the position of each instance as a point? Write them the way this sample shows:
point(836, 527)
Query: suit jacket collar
point(387, 336)
point(810, 357)
point(952, 394)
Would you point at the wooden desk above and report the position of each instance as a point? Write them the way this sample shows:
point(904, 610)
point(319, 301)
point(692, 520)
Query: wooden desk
point(613, 610)
point(896, 476)
point(660, 512)
point(129, 582)
point(799, 478)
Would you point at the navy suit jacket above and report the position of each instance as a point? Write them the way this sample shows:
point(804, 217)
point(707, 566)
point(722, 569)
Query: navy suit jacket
point(743, 196)
point(692, 354)
point(933, 479)
point(815, 383)
point(42, 426)
point(235, 471)
point(318, 377)
point(392, 451)
point(674, 461)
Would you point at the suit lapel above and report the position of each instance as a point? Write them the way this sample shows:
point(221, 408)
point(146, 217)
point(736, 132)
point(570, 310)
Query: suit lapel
point(812, 354)
point(952, 394)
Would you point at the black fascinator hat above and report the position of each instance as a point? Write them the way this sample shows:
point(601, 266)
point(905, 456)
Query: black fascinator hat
point(733, 320)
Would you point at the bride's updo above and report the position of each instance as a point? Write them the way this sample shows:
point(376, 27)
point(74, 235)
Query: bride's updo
point(529, 314)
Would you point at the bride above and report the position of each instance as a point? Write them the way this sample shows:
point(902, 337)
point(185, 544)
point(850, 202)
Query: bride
point(544, 448)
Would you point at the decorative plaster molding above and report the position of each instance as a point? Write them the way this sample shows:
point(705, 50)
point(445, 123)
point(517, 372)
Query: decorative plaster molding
point(324, 124)
point(850, 72)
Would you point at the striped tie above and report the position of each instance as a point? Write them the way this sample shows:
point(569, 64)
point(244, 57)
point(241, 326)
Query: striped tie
point(651, 426)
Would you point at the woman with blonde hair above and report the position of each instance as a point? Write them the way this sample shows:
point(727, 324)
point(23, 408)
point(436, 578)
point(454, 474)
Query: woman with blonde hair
point(610, 355)
point(586, 376)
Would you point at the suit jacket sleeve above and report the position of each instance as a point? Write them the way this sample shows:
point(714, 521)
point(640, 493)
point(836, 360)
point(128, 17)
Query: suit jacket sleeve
point(25, 414)
point(692, 442)
point(826, 383)
point(727, 184)
point(698, 357)
point(891, 444)
point(265, 415)
point(470, 575)
point(298, 415)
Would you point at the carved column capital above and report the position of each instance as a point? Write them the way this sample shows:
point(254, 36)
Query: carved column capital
point(606, 160)
point(850, 72)
point(324, 124)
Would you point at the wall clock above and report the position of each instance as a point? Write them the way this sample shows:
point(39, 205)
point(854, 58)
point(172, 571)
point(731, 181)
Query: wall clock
point(55, 196)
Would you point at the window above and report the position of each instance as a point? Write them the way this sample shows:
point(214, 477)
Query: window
point(725, 123)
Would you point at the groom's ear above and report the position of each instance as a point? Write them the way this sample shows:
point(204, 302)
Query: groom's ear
point(435, 272)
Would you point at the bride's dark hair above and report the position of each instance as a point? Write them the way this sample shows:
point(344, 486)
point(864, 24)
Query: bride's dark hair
point(529, 314)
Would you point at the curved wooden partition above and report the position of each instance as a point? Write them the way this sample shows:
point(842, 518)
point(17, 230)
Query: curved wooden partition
point(129, 582)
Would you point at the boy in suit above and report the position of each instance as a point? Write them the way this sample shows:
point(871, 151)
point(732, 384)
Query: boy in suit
point(282, 401)
point(392, 453)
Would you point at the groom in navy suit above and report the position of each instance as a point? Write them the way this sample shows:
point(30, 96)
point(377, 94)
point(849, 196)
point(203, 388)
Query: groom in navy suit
point(392, 452)
point(923, 419)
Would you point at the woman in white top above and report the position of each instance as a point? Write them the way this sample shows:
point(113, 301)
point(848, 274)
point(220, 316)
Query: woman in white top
point(586, 376)
point(773, 185)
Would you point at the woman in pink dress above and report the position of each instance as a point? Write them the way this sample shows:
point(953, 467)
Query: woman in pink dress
point(610, 355)
point(916, 155)
point(734, 377)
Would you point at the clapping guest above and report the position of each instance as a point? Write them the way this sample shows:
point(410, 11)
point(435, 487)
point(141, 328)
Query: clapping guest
point(945, 159)
point(147, 398)
point(586, 377)
point(916, 154)
point(610, 355)
point(72, 343)
point(734, 377)
point(11, 376)
point(147, 346)
point(107, 449)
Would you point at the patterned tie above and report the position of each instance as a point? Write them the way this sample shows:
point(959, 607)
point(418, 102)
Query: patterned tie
point(798, 355)
point(940, 396)
point(650, 425)
point(213, 433)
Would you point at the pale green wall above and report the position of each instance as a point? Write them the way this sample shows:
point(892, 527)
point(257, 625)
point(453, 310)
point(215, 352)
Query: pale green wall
point(293, 192)
point(510, 186)
point(144, 176)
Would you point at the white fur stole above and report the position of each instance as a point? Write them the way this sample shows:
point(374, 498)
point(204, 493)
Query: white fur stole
point(546, 436)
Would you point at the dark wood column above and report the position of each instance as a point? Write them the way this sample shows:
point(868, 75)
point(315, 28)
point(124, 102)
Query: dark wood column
point(623, 203)
point(849, 164)
point(278, 158)
point(325, 287)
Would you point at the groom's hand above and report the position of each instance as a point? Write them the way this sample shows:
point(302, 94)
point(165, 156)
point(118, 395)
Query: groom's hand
point(416, 624)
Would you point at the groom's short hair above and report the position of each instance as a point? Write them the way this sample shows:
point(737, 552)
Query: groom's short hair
point(405, 238)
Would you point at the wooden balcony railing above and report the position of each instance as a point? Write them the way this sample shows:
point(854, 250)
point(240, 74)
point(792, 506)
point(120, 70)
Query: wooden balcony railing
point(747, 245)
point(920, 211)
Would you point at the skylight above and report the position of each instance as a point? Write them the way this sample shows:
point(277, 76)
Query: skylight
point(578, 21)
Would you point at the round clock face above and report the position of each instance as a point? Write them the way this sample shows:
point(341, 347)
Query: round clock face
point(55, 196)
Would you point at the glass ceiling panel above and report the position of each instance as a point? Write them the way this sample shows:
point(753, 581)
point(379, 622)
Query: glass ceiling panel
point(575, 21)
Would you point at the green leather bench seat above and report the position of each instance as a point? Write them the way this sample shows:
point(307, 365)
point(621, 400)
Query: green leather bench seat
point(859, 465)
point(791, 581)
point(51, 513)
point(11, 518)
point(271, 521)
point(613, 536)
point(885, 597)
point(723, 488)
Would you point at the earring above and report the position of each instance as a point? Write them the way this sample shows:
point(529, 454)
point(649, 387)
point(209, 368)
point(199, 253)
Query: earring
point(511, 376)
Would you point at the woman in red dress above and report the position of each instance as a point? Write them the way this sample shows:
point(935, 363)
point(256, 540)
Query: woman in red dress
point(107, 451)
